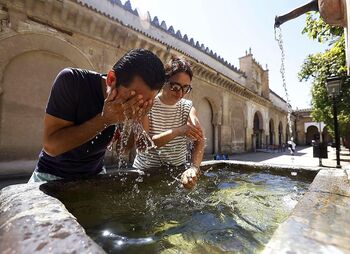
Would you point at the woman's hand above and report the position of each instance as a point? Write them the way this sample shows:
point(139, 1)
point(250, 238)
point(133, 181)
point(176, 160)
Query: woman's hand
point(191, 131)
point(189, 177)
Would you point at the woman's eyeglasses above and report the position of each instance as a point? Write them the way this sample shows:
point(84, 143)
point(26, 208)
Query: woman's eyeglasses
point(176, 87)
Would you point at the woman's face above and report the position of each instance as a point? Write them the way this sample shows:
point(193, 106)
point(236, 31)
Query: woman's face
point(171, 93)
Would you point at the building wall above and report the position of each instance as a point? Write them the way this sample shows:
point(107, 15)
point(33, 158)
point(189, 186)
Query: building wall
point(276, 100)
point(257, 77)
point(39, 38)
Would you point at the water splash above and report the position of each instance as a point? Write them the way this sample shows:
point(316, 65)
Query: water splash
point(143, 140)
point(279, 39)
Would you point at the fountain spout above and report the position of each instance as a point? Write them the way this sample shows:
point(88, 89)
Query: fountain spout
point(311, 6)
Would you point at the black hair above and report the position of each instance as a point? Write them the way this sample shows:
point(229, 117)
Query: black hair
point(142, 63)
point(177, 65)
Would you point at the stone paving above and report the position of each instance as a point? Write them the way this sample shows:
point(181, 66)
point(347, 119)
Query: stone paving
point(302, 157)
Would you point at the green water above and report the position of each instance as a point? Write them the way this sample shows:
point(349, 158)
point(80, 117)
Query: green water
point(228, 212)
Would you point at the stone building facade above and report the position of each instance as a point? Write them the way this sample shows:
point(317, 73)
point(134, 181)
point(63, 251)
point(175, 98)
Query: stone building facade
point(39, 38)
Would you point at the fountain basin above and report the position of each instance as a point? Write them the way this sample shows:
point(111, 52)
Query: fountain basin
point(33, 219)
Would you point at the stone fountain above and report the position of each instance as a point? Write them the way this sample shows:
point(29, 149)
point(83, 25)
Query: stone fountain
point(333, 12)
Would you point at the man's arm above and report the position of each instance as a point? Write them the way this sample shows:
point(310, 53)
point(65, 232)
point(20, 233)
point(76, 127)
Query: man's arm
point(60, 135)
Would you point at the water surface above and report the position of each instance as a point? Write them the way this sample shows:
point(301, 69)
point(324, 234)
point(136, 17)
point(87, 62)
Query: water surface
point(228, 212)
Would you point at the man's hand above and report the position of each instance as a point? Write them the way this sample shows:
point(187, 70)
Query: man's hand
point(189, 177)
point(116, 110)
point(143, 110)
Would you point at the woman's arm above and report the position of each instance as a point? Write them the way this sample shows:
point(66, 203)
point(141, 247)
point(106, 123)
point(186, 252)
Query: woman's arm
point(166, 136)
point(189, 177)
point(189, 130)
point(199, 143)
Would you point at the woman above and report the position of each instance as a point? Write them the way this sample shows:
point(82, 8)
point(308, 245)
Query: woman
point(171, 123)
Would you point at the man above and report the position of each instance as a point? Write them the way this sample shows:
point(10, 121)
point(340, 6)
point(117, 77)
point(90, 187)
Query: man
point(83, 109)
point(291, 146)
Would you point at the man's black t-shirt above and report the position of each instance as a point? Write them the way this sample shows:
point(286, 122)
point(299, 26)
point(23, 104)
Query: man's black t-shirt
point(77, 96)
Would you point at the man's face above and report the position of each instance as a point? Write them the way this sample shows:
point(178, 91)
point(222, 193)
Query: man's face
point(140, 88)
point(137, 85)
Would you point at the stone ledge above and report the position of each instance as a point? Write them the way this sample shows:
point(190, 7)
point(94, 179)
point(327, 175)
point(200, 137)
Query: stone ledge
point(33, 222)
point(320, 221)
point(260, 164)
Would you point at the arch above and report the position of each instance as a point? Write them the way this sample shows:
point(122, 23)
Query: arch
point(258, 121)
point(271, 132)
point(312, 134)
point(205, 115)
point(216, 117)
point(257, 130)
point(18, 44)
point(318, 125)
point(23, 102)
point(280, 133)
point(25, 90)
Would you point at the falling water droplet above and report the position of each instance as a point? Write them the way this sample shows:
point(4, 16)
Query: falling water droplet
point(279, 39)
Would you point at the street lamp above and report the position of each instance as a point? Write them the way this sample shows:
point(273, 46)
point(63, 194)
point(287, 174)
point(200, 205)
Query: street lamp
point(333, 88)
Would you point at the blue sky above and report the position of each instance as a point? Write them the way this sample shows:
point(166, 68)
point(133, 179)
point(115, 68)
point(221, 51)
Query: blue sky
point(230, 27)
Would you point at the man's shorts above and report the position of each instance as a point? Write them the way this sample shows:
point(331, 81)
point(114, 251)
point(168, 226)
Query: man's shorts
point(45, 177)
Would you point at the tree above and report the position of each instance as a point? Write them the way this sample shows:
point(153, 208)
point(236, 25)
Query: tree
point(319, 66)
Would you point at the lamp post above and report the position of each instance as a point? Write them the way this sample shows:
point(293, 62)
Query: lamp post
point(320, 142)
point(333, 89)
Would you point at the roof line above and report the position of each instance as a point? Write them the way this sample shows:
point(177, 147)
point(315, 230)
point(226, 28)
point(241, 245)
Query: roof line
point(277, 95)
point(171, 31)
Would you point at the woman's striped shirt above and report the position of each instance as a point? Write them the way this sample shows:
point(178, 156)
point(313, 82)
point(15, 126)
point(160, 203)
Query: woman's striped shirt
point(164, 117)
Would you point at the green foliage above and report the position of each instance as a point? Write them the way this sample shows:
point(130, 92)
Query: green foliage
point(317, 29)
point(319, 66)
